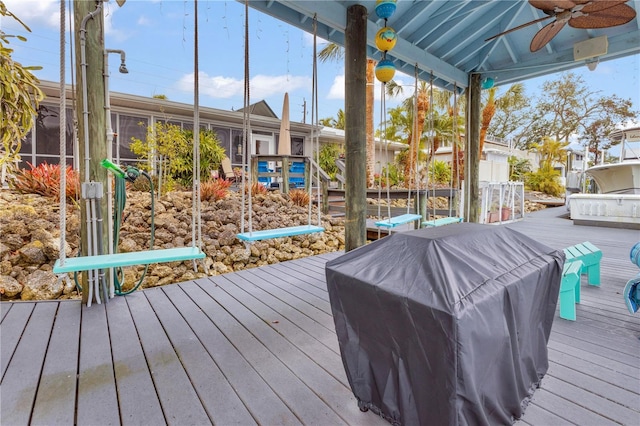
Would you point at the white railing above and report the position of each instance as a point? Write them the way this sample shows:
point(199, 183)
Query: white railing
point(502, 202)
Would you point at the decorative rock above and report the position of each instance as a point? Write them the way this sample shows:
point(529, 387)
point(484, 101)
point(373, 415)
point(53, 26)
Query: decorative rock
point(41, 285)
point(9, 287)
point(33, 252)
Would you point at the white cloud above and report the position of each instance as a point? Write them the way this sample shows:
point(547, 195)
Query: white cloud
point(261, 86)
point(337, 88)
point(34, 13)
point(144, 21)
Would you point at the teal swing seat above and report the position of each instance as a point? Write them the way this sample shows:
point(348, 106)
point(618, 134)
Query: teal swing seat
point(279, 232)
point(105, 261)
point(392, 222)
point(442, 221)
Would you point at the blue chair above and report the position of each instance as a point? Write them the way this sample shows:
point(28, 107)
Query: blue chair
point(264, 168)
point(296, 167)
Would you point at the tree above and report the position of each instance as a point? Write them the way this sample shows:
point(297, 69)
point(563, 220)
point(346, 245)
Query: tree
point(19, 97)
point(336, 123)
point(511, 112)
point(488, 112)
point(545, 179)
point(335, 52)
point(612, 114)
point(568, 108)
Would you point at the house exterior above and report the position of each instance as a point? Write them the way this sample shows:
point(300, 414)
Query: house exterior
point(131, 114)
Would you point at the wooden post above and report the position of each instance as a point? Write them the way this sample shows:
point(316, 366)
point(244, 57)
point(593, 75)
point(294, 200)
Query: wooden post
point(284, 175)
point(94, 86)
point(355, 127)
point(472, 150)
point(421, 205)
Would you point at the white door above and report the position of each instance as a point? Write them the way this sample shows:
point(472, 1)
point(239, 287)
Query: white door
point(263, 145)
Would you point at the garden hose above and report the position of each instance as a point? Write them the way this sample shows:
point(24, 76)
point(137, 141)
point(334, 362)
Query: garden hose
point(120, 197)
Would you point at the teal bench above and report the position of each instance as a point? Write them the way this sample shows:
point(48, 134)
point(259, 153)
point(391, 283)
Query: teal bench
point(442, 221)
point(570, 289)
point(590, 257)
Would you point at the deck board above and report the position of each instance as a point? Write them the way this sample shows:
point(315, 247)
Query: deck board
point(178, 398)
point(26, 366)
point(97, 396)
point(56, 394)
point(198, 310)
point(216, 395)
point(259, 347)
point(139, 402)
point(12, 327)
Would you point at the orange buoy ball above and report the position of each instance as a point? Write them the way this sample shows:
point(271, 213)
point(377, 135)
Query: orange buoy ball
point(386, 39)
point(385, 8)
point(385, 70)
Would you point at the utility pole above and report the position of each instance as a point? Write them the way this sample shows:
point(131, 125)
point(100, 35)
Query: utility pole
point(304, 111)
point(92, 141)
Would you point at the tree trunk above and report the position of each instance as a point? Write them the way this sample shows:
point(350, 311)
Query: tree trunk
point(414, 139)
point(371, 146)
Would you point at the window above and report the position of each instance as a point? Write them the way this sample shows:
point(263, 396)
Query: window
point(297, 146)
point(129, 127)
point(47, 130)
point(224, 138)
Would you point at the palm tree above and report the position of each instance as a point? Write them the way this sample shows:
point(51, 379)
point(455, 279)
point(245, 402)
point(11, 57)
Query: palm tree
point(334, 52)
point(415, 132)
point(488, 112)
point(336, 123)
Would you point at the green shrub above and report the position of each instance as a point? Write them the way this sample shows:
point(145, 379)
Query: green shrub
point(169, 149)
point(392, 178)
point(518, 168)
point(439, 172)
point(546, 180)
point(327, 159)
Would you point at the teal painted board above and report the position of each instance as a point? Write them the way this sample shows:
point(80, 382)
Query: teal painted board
point(590, 255)
point(105, 261)
point(570, 290)
point(392, 222)
point(442, 221)
point(279, 232)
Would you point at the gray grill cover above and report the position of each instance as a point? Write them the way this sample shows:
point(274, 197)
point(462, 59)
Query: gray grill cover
point(446, 326)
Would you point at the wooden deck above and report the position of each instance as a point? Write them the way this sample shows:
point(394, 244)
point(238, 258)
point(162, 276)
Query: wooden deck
point(259, 346)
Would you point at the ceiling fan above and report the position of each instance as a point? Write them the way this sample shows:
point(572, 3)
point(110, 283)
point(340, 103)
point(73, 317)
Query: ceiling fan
point(576, 13)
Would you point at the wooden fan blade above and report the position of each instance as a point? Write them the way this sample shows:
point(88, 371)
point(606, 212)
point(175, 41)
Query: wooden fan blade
point(545, 35)
point(550, 6)
point(595, 6)
point(518, 27)
point(619, 14)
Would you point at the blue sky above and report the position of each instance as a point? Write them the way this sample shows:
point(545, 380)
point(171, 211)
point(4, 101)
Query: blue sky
point(157, 37)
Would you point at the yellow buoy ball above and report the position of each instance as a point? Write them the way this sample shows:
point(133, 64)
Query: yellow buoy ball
point(385, 70)
point(386, 39)
point(385, 8)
